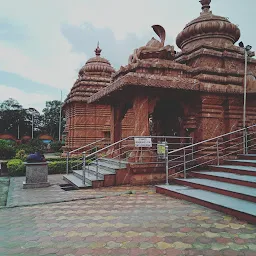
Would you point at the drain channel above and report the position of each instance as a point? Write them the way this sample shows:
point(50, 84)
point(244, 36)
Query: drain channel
point(67, 187)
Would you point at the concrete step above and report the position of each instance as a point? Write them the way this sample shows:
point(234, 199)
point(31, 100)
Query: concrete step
point(247, 156)
point(102, 170)
point(115, 162)
point(89, 176)
point(72, 179)
point(243, 170)
point(103, 179)
point(224, 188)
point(244, 180)
point(241, 209)
point(241, 162)
point(108, 166)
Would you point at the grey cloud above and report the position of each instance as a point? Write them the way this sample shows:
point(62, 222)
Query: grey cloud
point(84, 40)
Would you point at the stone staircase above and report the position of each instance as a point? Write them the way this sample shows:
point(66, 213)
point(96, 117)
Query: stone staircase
point(106, 176)
point(230, 188)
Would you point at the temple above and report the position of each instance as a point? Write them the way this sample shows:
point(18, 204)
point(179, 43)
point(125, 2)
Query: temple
point(197, 91)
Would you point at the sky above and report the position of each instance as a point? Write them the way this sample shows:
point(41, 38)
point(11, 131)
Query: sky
point(44, 43)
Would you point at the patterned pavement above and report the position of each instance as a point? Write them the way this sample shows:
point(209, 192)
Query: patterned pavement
point(17, 196)
point(129, 224)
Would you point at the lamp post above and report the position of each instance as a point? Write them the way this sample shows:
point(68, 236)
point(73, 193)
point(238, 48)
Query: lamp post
point(246, 53)
point(32, 110)
point(60, 116)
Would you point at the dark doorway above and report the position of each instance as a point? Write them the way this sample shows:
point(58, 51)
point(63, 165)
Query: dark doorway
point(167, 118)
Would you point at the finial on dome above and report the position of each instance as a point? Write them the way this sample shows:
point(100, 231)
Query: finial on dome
point(98, 50)
point(205, 5)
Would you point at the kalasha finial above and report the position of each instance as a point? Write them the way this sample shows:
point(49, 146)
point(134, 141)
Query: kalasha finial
point(205, 5)
point(98, 50)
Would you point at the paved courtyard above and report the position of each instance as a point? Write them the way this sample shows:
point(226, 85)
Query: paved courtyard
point(143, 223)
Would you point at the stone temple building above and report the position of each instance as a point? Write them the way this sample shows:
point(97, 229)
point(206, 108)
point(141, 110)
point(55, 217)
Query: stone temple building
point(197, 91)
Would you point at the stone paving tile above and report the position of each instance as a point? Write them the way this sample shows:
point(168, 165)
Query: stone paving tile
point(136, 224)
point(17, 196)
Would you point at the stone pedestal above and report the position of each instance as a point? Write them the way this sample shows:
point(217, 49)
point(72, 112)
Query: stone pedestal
point(36, 175)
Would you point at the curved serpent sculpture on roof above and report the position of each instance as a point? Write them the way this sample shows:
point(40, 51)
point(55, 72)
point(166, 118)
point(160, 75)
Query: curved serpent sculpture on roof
point(153, 45)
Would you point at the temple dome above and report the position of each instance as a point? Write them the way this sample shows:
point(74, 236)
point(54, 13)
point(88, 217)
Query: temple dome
point(97, 64)
point(93, 76)
point(208, 28)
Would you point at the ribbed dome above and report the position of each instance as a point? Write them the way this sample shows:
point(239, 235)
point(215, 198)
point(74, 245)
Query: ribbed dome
point(96, 64)
point(207, 27)
point(93, 76)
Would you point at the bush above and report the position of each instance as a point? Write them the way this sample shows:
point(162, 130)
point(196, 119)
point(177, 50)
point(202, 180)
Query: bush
point(37, 145)
point(7, 150)
point(56, 146)
point(21, 154)
point(16, 167)
point(57, 167)
point(26, 147)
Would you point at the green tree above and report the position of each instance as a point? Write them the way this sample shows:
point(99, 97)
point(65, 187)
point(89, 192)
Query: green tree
point(51, 118)
point(16, 120)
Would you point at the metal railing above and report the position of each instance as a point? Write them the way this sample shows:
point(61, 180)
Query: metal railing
point(74, 158)
point(128, 150)
point(211, 151)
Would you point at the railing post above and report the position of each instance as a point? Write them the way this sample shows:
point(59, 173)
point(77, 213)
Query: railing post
point(246, 141)
point(192, 149)
point(244, 152)
point(218, 152)
point(97, 167)
point(166, 163)
point(184, 159)
point(84, 164)
point(67, 163)
point(119, 152)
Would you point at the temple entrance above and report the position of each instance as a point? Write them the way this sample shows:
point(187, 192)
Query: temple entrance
point(166, 119)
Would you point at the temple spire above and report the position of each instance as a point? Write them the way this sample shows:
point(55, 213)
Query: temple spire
point(205, 5)
point(98, 50)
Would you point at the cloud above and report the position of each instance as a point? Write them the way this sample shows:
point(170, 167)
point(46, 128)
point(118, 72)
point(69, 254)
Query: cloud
point(48, 41)
point(35, 100)
point(84, 39)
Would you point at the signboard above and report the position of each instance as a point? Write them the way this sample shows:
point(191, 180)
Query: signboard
point(161, 150)
point(143, 142)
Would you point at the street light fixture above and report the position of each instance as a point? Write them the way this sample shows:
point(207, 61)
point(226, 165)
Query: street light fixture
point(246, 54)
point(32, 110)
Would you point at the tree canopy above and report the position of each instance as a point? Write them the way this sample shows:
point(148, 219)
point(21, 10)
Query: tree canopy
point(16, 120)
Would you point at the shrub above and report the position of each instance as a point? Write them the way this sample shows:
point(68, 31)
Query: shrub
point(56, 146)
point(57, 167)
point(7, 150)
point(26, 147)
point(16, 167)
point(21, 154)
point(37, 145)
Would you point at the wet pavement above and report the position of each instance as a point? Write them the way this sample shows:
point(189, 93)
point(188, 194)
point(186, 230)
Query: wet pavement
point(116, 221)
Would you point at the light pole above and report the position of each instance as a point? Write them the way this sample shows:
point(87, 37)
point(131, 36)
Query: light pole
point(32, 110)
point(246, 53)
point(60, 116)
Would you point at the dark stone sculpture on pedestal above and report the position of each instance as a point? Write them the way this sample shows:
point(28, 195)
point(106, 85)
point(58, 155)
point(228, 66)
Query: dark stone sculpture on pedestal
point(36, 172)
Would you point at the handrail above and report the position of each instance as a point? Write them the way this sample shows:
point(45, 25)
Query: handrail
point(227, 143)
point(218, 137)
point(122, 149)
point(95, 142)
point(130, 137)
